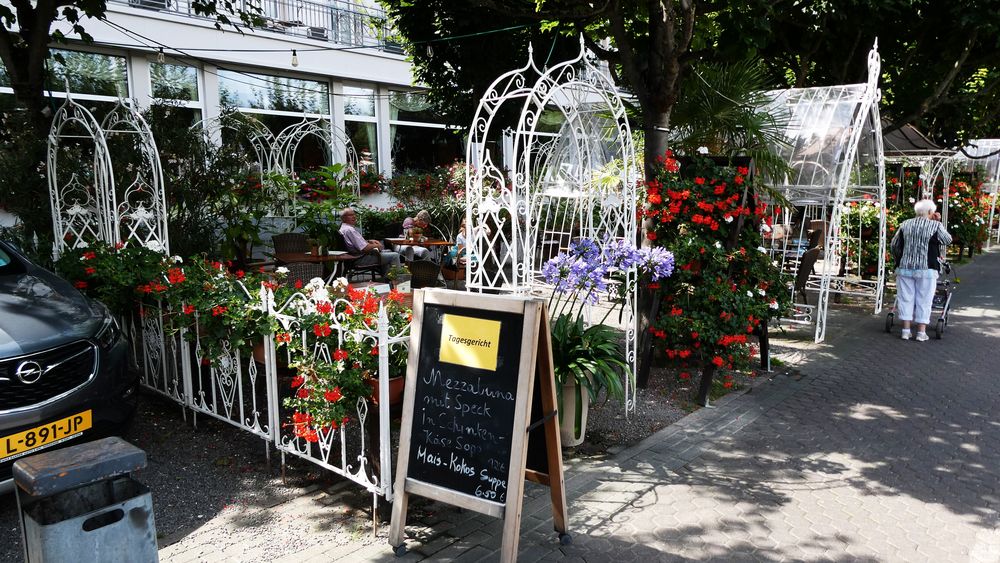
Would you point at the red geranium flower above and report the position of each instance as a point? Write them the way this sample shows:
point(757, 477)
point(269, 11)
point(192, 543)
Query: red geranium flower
point(283, 337)
point(324, 308)
point(188, 309)
point(297, 381)
point(302, 393)
point(321, 329)
point(80, 284)
point(175, 275)
point(340, 354)
point(718, 361)
point(334, 395)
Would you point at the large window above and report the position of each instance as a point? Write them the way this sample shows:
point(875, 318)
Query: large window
point(419, 138)
point(360, 124)
point(273, 93)
point(96, 80)
point(88, 73)
point(174, 82)
point(177, 85)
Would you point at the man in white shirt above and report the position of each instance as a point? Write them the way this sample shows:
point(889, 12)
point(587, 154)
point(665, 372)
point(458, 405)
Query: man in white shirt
point(356, 244)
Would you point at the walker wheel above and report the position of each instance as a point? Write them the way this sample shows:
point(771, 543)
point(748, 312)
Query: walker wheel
point(565, 539)
point(939, 328)
point(399, 550)
point(888, 322)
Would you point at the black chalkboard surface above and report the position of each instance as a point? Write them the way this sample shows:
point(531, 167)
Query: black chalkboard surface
point(463, 416)
point(479, 411)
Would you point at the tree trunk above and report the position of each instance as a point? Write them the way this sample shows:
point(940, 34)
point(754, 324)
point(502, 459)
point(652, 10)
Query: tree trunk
point(655, 131)
point(707, 374)
point(655, 146)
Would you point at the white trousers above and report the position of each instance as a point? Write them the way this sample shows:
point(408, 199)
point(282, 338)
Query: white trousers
point(914, 297)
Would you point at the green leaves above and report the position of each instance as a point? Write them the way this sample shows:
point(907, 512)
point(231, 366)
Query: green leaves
point(592, 356)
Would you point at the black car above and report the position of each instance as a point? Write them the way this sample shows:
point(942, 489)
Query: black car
point(63, 370)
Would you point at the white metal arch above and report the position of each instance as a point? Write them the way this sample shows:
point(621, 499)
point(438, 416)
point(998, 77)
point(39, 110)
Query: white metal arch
point(83, 204)
point(256, 136)
point(141, 212)
point(335, 141)
point(837, 159)
point(985, 154)
point(553, 195)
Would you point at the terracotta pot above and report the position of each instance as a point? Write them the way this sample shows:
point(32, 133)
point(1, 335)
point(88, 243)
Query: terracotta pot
point(280, 360)
point(396, 386)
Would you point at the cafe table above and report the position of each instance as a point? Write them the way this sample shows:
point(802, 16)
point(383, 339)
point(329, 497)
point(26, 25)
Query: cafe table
point(433, 244)
point(334, 257)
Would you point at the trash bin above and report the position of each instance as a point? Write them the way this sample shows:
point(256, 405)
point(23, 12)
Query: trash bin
point(80, 503)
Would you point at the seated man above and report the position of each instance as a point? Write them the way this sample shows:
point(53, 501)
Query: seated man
point(422, 221)
point(356, 244)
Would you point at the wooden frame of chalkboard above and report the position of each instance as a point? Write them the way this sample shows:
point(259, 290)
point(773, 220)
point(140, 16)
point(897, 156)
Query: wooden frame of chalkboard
point(479, 410)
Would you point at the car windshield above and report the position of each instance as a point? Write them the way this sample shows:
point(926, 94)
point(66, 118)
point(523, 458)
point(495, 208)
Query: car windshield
point(9, 264)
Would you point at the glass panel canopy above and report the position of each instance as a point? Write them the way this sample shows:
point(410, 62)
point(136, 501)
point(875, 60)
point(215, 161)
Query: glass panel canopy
point(819, 124)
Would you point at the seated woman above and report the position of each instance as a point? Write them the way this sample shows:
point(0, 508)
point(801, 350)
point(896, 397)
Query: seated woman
point(421, 221)
point(457, 256)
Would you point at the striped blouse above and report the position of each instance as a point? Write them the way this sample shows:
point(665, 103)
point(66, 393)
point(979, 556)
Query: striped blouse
point(909, 245)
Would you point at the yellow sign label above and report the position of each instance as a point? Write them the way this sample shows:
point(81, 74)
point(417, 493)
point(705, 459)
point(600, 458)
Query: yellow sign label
point(470, 342)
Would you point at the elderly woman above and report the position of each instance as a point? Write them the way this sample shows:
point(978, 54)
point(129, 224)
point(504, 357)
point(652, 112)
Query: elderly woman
point(421, 221)
point(916, 248)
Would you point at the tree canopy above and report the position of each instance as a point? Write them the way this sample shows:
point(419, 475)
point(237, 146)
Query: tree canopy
point(940, 71)
point(940, 60)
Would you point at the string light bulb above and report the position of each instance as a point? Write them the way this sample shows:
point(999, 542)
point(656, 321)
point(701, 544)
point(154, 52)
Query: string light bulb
point(430, 52)
point(160, 57)
point(295, 58)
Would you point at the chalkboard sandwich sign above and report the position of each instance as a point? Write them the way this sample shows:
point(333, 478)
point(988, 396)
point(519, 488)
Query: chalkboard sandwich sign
point(479, 410)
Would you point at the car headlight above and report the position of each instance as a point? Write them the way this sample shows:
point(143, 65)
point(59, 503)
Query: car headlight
point(109, 332)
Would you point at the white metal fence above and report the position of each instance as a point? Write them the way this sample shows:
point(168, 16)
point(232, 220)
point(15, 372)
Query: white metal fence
point(243, 388)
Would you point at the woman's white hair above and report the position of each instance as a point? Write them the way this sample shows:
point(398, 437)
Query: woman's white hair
point(924, 207)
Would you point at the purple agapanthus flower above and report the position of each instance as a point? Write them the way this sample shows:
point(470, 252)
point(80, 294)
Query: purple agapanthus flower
point(657, 262)
point(584, 248)
point(558, 272)
point(621, 255)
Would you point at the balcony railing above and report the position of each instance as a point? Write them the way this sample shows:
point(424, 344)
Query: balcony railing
point(344, 23)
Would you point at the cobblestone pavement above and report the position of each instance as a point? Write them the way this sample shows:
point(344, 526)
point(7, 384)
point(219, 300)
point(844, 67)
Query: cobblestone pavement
point(883, 450)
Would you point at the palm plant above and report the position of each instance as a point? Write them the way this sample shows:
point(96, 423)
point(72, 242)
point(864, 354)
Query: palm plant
point(725, 107)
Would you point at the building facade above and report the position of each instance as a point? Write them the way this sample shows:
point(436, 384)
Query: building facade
point(318, 59)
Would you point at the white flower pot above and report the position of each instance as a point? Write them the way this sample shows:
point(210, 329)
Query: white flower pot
point(568, 415)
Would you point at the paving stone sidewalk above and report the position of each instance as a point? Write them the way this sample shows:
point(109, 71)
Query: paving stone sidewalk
point(883, 450)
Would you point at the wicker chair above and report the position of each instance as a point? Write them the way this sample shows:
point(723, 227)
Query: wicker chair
point(291, 243)
point(453, 274)
point(425, 274)
point(303, 272)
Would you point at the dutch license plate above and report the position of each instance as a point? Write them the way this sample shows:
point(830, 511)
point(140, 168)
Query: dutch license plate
point(48, 434)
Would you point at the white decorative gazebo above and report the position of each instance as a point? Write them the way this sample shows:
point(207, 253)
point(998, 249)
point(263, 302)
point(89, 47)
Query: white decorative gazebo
point(529, 194)
point(985, 154)
point(834, 152)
